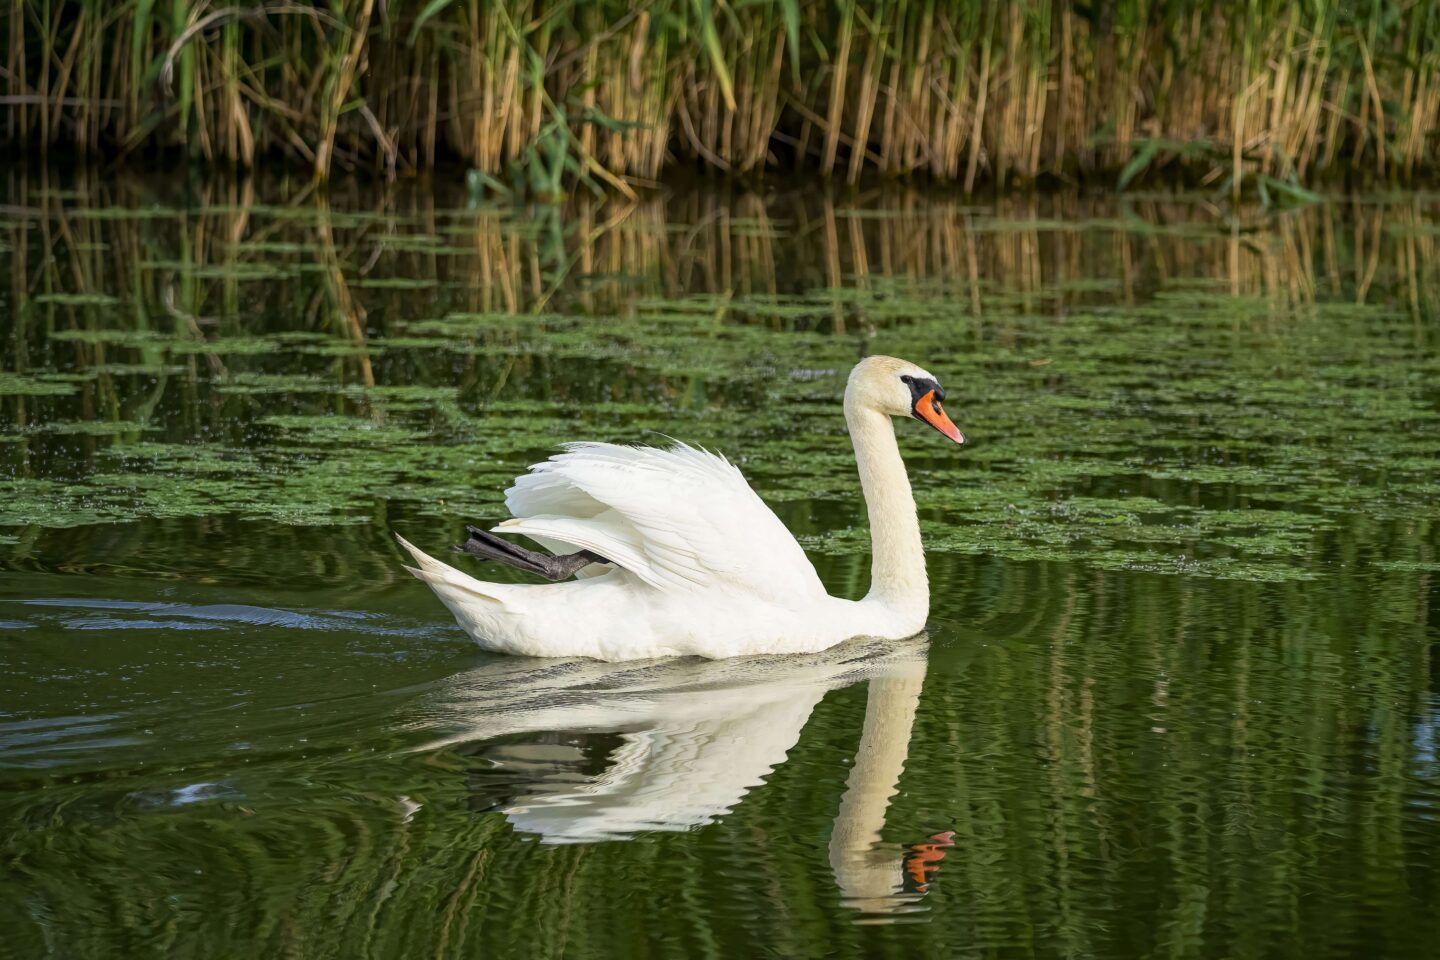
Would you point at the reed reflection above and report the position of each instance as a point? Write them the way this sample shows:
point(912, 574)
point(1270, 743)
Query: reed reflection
point(79, 237)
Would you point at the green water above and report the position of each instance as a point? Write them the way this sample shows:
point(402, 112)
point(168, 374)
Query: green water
point(1179, 696)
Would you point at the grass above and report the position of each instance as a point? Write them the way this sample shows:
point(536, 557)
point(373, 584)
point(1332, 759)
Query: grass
point(541, 97)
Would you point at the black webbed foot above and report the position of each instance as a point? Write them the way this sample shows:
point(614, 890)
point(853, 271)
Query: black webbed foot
point(487, 546)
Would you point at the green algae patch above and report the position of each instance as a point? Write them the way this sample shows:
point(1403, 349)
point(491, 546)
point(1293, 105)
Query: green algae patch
point(1408, 566)
point(77, 299)
point(337, 429)
point(459, 325)
point(249, 383)
point(272, 247)
point(226, 345)
point(12, 385)
point(94, 428)
point(1146, 413)
point(136, 369)
point(239, 272)
point(393, 283)
point(119, 338)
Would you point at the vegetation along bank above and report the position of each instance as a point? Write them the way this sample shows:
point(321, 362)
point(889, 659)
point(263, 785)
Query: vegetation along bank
point(546, 96)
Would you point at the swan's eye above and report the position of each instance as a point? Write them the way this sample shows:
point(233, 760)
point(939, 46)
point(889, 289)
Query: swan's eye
point(906, 378)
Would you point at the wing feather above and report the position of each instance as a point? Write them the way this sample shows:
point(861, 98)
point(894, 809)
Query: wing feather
point(678, 518)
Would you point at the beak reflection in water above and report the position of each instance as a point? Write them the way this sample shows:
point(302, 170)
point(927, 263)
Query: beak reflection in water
point(578, 751)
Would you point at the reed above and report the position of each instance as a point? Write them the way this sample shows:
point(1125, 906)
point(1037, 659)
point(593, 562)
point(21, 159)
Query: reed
point(542, 96)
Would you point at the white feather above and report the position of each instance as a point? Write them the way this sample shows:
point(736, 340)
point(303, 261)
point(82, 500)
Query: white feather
point(677, 518)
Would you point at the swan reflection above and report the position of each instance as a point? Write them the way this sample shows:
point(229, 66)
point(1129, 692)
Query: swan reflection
point(582, 751)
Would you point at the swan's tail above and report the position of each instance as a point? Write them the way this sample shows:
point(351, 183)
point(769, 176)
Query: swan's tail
point(454, 588)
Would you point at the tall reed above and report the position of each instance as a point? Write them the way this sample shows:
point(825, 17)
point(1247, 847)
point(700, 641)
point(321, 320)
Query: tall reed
point(545, 95)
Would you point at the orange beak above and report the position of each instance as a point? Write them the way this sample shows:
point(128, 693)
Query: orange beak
point(927, 408)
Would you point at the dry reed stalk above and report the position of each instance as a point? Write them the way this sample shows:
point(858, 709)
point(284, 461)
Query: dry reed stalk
point(946, 89)
point(983, 88)
point(838, 73)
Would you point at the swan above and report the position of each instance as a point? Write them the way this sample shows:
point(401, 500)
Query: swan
point(673, 554)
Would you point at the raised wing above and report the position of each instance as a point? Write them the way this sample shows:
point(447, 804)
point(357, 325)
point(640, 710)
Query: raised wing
point(678, 518)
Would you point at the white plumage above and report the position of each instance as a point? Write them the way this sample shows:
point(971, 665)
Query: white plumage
point(698, 564)
point(641, 507)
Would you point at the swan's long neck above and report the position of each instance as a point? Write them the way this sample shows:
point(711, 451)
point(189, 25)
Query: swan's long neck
point(897, 564)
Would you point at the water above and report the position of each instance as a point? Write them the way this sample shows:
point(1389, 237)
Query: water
point(1179, 695)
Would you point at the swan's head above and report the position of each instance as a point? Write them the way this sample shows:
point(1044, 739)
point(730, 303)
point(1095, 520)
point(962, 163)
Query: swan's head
point(898, 388)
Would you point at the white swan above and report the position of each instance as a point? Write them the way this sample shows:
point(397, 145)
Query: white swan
point(675, 555)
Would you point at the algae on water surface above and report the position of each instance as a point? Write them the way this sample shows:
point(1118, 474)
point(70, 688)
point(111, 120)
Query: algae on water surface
point(1179, 696)
point(1143, 392)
